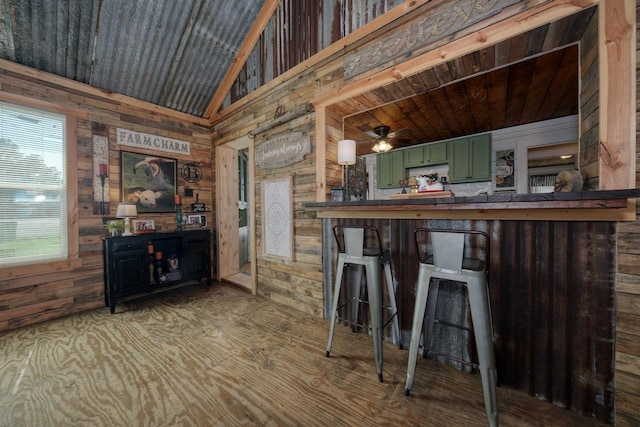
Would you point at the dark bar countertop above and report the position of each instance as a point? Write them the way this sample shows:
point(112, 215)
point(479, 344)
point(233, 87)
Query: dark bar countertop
point(607, 205)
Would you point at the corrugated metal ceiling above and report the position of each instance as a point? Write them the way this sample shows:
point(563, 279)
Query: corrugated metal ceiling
point(167, 52)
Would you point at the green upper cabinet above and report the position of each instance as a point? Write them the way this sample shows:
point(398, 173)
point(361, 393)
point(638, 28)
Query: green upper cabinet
point(437, 153)
point(415, 156)
point(390, 169)
point(470, 159)
point(430, 154)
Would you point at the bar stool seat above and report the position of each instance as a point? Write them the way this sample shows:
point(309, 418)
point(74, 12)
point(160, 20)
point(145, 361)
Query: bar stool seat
point(448, 263)
point(355, 250)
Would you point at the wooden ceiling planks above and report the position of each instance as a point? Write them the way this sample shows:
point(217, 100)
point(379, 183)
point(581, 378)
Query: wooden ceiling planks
point(448, 106)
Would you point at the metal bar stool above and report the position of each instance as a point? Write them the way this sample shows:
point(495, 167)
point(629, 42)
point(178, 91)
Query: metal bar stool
point(448, 262)
point(353, 251)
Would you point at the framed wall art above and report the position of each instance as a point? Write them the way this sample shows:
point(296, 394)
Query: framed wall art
point(277, 214)
point(148, 181)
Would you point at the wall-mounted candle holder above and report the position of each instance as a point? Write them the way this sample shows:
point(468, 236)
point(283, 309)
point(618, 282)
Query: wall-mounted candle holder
point(102, 174)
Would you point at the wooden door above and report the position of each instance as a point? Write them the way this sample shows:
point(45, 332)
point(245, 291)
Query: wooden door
point(227, 217)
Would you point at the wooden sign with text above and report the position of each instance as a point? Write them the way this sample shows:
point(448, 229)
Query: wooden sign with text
point(283, 150)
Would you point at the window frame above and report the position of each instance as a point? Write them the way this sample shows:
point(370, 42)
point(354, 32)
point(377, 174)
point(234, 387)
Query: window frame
point(72, 260)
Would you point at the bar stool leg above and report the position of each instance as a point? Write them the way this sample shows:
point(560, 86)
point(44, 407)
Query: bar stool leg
point(336, 298)
point(416, 327)
point(356, 286)
point(391, 291)
point(432, 302)
point(483, 330)
point(374, 290)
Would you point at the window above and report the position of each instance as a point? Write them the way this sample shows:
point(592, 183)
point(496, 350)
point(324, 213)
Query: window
point(33, 186)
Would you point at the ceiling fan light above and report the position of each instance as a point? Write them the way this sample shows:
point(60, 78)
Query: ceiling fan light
point(382, 146)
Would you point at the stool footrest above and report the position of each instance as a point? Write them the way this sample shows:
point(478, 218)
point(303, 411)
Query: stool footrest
point(450, 357)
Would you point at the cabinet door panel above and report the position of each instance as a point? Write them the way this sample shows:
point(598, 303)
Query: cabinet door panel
point(481, 157)
point(390, 169)
point(196, 250)
point(130, 272)
point(397, 168)
point(438, 153)
point(383, 170)
point(459, 162)
point(415, 156)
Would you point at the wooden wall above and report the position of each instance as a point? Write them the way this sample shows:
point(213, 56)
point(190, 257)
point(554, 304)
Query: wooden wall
point(627, 344)
point(296, 283)
point(36, 294)
point(325, 78)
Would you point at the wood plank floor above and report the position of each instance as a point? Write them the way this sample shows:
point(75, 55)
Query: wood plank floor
point(220, 357)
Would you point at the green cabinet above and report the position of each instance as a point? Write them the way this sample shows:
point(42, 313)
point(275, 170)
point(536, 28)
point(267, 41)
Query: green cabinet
point(415, 156)
point(437, 153)
point(390, 169)
point(470, 159)
point(429, 154)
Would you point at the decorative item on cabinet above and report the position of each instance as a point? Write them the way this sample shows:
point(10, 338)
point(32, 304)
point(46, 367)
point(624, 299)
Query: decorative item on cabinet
point(158, 277)
point(144, 226)
point(126, 211)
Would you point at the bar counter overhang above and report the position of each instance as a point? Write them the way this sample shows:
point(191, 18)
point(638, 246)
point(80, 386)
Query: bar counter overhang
point(552, 275)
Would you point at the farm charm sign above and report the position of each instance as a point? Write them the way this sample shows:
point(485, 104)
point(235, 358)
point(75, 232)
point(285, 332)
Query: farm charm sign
point(153, 142)
point(283, 151)
point(433, 28)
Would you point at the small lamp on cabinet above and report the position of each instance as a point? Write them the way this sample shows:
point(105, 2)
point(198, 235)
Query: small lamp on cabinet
point(127, 211)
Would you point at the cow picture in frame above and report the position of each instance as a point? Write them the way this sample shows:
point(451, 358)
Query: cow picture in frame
point(148, 181)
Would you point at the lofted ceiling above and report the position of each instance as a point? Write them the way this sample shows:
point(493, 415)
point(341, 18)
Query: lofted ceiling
point(166, 52)
point(178, 54)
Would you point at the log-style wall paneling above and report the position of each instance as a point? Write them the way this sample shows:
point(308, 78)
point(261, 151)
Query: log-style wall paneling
point(627, 297)
point(37, 293)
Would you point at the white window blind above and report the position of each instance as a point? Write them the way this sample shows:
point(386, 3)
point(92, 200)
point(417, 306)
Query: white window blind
point(33, 196)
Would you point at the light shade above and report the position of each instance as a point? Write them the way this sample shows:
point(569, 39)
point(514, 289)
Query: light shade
point(382, 146)
point(126, 210)
point(346, 152)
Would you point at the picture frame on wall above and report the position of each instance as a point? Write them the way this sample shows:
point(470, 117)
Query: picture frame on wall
point(505, 169)
point(148, 181)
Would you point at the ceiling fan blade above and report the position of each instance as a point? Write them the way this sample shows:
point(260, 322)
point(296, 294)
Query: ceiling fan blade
point(372, 134)
point(398, 132)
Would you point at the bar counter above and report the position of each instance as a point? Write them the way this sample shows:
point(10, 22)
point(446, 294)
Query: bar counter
point(610, 205)
point(552, 276)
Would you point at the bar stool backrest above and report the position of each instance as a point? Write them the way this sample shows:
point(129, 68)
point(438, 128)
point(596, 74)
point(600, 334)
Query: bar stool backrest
point(354, 242)
point(448, 250)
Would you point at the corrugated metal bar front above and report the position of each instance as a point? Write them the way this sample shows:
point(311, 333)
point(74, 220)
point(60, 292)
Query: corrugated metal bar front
point(552, 289)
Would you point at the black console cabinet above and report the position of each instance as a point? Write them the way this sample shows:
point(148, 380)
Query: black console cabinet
point(138, 265)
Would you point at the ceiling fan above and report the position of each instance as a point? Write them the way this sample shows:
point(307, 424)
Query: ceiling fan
point(383, 138)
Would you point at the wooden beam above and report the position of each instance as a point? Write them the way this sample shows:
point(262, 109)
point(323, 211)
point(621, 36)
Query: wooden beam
point(528, 20)
point(321, 153)
point(617, 47)
point(99, 93)
point(250, 41)
point(397, 12)
point(627, 213)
